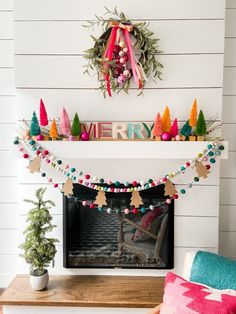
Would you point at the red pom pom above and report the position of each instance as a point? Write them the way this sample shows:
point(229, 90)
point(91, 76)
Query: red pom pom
point(175, 196)
point(80, 181)
point(46, 152)
point(134, 183)
point(55, 185)
point(187, 164)
point(25, 156)
point(134, 210)
point(153, 184)
point(87, 176)
point(208, 167)
point(91, 205)
point(38, 152)
point(112, 190)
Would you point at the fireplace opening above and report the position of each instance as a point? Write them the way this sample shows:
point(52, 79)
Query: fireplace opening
point(97, 239)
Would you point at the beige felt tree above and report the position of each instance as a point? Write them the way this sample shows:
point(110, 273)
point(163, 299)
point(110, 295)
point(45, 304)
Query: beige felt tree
point(169, 189)
point(202, 171)
point(100, 199)
point(136, 199)
point(67, 188)
point(35, 164)
point(165, 120)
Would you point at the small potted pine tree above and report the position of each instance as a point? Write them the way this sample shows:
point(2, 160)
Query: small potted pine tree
point(39, 250)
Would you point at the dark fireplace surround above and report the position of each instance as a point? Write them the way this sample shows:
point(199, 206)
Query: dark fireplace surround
point(96, 239)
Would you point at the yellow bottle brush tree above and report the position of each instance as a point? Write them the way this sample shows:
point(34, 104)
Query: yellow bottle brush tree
point(193, 119)
point(165, 120)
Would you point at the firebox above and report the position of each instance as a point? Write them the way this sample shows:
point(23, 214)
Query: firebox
point(94, 238)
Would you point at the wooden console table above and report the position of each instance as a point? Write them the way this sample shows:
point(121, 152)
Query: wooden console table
point(84, 294)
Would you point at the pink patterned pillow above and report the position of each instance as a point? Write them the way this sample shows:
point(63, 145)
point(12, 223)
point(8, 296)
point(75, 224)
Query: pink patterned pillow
point(184, 297)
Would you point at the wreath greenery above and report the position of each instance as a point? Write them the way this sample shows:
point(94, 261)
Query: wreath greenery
point(110, 70)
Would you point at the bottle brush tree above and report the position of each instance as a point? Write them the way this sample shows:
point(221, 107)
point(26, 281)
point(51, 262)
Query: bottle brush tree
point(53, 129)
point(39, 250)
point(201, 129)
point(43, 114)
point(65, 127)
point(34, 126)
point(193, 114)
point(157, 129)
point(165, 120)
point(186, 129)
point(76, 127)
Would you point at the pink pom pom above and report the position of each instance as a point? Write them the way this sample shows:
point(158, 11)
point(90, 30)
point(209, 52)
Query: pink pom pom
point(40, 137)
point(55, 185)
point(84, 136)
point(84, 203)
point(49, 179)
point(165, 136)
point(168, 201)
point(126, 211)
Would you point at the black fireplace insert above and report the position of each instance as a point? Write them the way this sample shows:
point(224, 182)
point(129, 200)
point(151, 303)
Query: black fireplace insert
point(94, 238)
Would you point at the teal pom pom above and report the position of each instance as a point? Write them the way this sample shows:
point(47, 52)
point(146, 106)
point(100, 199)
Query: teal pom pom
point(43, 174)
point(143, 210)
point(209, 146)
point(221, 147)
point(212, 160)
point(101, 180)
point(117, 183)
point(126, 184)
point(59, 162)
point(210, 153)
point(72, 169)
point(68, 174)
point(182, 168)
point(31, 142)
point(118, 211)
point(16, 142)
point(182, 191)
point(190, 185)
point(150, 181)
point(196, 179)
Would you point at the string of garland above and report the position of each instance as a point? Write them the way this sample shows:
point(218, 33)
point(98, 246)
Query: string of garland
point(213, 150)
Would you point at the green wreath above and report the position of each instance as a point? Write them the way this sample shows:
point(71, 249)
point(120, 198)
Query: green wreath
point(124, 51)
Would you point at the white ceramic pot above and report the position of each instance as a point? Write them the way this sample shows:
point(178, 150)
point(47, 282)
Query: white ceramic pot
point(39, 282)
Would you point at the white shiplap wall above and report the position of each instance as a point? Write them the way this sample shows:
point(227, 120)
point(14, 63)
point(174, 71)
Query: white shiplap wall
point(49, 45)
point(8, 173)
point(227, 235)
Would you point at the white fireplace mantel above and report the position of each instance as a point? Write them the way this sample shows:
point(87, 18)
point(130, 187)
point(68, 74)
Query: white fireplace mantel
point(128, 149)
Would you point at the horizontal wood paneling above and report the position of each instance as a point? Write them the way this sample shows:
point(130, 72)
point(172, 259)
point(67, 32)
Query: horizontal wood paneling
point(230, 23)
point(111, 169)
point(228, 166)
point(230, 52)
point(229, 81)
point(229, 131)
point(6, 4)
point(8, 189)
point(183, 71)
point(153, 9)
point(9, 263)
point(6, 53)
point(9, 216)
point(227, 191)
point(196, 231)
point(9, 241)
point(7, 104)
point(119, 107)
point(7, 81)
point(63, 37)
point(230, 4)
point(228, 218)
point(227, 244)
point(229, 112)
point(6, 25)
point(8, 130)
point(7, 164)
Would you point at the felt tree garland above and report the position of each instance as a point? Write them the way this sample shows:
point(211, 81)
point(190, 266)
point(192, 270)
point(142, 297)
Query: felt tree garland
point(67, 188)
point(100, 199)
point(170, 189)
point(35, 165)
point(202, 171)
point(136, 199)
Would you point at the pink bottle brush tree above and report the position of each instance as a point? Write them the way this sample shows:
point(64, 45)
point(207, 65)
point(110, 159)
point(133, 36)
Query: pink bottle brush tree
point(174, 128)
point(43, 114)
point(65, 126)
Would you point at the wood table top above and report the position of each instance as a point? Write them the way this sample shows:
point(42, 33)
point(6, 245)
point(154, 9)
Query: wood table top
point(87, 291)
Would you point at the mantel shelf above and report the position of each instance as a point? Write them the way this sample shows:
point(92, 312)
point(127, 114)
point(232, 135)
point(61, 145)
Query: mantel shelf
point(127, 149)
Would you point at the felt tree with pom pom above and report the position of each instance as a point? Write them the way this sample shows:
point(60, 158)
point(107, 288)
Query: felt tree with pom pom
point(174, 128)
point(100, 199)
point(43, 114)
point(157, 129)
point(65, 127)
point(201, 130)
point(39, 249)
point(76, 127)
point(165, 120)
point(34, 126)
point(136, 199)
point(53, 130)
